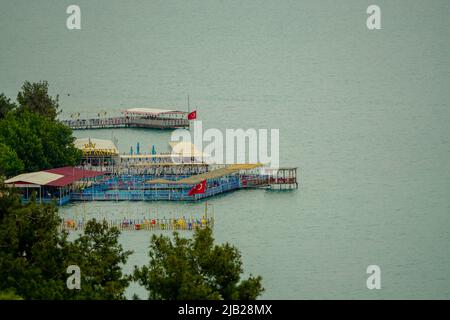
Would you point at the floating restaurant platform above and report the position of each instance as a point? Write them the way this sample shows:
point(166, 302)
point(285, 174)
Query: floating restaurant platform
point(54, 184)
point(134, 118)
point(76, 184)
point(107, 176)
point(172, 187)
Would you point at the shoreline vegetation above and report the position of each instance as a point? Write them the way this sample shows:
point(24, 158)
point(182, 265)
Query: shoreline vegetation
point(35, 254)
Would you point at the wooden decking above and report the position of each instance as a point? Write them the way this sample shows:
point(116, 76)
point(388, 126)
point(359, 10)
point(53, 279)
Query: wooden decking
point(149, 224)
point(126, 122)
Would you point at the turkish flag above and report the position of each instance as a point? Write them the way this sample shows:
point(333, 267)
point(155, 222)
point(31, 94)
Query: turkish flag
point(198, 188)
point(192, 115)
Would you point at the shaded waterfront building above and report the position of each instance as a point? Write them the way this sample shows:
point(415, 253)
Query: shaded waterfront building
point(53, 184)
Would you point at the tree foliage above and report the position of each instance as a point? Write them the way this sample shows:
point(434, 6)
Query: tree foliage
point(38, 142)
point(31, 138)
point(34, 97)
point(100, 257)
point(5, 105)
point(34, 254)
point(195, 269)
point(9, 295)
point(10, 164)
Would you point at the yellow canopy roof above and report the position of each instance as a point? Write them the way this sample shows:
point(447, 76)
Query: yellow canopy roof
point(94, 145)
point(209, 175)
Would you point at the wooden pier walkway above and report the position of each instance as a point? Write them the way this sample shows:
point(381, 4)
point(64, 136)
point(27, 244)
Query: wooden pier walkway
point(156, 224)
point(134, 118)
point(124, 122)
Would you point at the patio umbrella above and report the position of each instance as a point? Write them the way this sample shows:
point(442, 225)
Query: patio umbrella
point(153, 152)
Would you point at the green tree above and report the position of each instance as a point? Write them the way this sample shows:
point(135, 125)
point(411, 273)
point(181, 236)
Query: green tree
point(35, 254)
point(10, 164)
point(195, 269)
point(34, 97)
point(38, 142)
point(9, 295)
point(31, 138)
point(100, 258)
point(5, 106)
point(32, 260)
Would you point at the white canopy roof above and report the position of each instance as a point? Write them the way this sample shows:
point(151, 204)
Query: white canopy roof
point(40, 178)
point(187, 149)
point(151, 111)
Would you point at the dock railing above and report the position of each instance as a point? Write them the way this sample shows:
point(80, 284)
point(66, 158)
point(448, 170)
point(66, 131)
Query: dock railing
point(123, 121)
point(152, 224)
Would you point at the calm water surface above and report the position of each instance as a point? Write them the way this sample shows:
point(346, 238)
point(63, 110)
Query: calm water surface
point(364, 116)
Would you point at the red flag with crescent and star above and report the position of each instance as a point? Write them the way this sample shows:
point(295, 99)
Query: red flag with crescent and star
point(192, 115)
point(198, 188)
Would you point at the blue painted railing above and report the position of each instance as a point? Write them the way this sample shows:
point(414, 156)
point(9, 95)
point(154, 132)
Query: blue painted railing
point(110, 191)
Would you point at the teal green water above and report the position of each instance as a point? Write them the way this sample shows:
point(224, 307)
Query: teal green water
point(363, 114)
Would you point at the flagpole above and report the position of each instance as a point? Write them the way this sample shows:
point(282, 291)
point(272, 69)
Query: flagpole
point(189, 110)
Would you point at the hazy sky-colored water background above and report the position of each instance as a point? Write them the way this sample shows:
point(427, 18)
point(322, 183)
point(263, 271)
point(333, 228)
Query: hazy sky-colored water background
point(363, 114)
